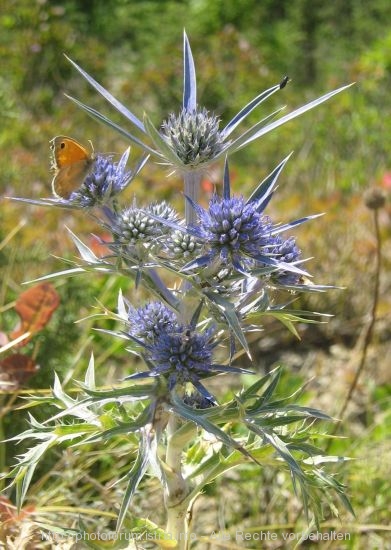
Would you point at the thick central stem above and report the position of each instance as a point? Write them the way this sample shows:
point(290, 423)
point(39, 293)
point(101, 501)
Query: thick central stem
point(176, 489)
point(192, 182)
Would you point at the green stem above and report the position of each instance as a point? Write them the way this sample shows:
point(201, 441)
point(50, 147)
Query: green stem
point(176, 490)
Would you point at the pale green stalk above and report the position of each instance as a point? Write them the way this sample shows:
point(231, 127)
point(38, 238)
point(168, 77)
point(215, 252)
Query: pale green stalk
point(177, 489)
point(192, 183)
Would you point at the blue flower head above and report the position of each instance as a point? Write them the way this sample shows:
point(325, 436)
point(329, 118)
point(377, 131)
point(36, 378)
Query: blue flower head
point(147, 322)
point(104, 182)
point(180, 353)
point(286, 250)
point(236, 235)
point(233, 230)
point(183, 355)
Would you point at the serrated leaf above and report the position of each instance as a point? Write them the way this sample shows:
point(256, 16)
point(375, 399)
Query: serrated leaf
point(229, 312)
point(204, 423)
point(269, 392)
point(121, 307)
point(135, 476)
point(283, 451)
point(252, 391)
point(59, 393)
point(26, 473)
point(309, 411)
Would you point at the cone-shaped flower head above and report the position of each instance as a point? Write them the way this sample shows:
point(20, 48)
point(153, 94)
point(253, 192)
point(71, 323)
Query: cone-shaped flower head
point(105, 180)
point(194, 137)
point(235, 234)
point(181, 353)
point(147, 322)
point(103, 183)
point(233, 229)
point(135, 225)
point(182, 246)
point(286, 251)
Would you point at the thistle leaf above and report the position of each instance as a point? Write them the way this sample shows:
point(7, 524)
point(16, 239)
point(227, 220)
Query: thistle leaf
point(85, 252)
point(166, 153)
point(110, 98)
point(292, 115)
point(230, 314)
point(243, 113)
point(189, 77)
point(107, 122)
point(135, 476)
point(265, 188)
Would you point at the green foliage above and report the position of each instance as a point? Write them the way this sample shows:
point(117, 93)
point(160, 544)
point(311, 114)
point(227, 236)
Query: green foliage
point(281, 434)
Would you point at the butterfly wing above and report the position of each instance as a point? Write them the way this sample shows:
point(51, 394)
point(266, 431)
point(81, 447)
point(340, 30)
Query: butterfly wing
point(70, 177)
point(71, 162)
point(67, 150)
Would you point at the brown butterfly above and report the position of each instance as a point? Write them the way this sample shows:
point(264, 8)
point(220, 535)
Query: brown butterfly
point(71, 162)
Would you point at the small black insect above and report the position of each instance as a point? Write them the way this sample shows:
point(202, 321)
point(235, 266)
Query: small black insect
point(284, 82)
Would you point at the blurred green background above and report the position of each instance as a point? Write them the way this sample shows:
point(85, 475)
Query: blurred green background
point(241, 47)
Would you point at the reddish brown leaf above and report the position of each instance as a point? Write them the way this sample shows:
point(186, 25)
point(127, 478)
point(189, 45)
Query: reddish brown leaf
point(35, 306)
point(10, 518)
point(7, 511)
point(15, 370)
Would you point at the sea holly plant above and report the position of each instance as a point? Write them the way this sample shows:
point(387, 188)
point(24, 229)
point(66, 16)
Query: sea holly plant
point(227, 262)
